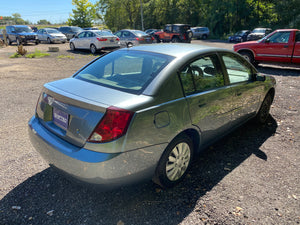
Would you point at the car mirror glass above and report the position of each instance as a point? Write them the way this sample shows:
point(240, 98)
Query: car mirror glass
point(260, 77)
point(267, 41)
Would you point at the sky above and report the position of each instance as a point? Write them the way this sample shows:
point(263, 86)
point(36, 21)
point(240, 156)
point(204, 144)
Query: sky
point(54, 11)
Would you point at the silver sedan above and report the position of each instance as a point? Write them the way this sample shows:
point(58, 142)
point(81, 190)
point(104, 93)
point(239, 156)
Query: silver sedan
point(94, 40)
point(51, 35)
point(146, 112)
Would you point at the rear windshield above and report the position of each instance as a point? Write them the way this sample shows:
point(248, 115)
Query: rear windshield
point(129, 71)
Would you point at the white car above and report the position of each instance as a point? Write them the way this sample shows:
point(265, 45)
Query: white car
point(94, 40)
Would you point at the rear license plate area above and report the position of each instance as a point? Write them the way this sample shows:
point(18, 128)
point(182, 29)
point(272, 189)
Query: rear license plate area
point(60, 118)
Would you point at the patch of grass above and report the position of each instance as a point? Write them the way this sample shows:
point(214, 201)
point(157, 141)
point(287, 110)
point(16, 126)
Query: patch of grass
point(37, 54)
point(15, 55)
point(65, 57)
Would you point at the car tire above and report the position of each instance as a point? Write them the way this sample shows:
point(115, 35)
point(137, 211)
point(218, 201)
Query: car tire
point(37, 42)
point(204, 37)
point(8, 41)
point(175, 40)
point(19, 42)
point(93, 49)
point(129, 45)
point(174, 162)
point(72, 46)
point(264, 111)
point(248, 56)
point(49, 41)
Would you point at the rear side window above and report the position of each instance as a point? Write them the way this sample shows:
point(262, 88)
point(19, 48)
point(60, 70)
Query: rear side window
point(201, 75)
point(129, 71)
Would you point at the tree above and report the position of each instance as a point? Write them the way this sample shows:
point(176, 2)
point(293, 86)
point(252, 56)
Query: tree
point(83, 15)
point(43, 22)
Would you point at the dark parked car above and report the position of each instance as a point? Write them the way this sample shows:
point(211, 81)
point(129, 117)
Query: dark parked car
point(70, 32)
point(146, 112)
point(21, 34)
point(258, 33)
point(239, 36)
point(129, 38)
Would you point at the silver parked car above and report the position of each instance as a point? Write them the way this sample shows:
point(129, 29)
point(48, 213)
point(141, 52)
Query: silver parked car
point(94, 40)
point(146, 111)
point(51, 35)
point(129, 38)
point(200, 32)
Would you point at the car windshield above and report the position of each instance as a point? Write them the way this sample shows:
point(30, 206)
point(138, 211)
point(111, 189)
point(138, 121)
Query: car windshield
point(53, 31)
point(258, 31)
point(76, 29)
point(129, 71)
point(104, 33)
point(23, 30)
point(139, 33)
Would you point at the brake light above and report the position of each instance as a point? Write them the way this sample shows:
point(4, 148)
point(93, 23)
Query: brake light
point(152, 38)
point(101, 39)
point(112, 126)
point(117, 39)
point(140, 39)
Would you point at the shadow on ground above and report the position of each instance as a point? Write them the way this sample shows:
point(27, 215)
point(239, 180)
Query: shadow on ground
point(48, 198)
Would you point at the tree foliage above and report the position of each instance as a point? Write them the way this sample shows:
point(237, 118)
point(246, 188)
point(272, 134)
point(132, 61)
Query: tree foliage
point(221, 16)
point(83, 15)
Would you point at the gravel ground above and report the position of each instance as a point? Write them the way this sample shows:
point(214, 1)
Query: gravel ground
point(249, 177)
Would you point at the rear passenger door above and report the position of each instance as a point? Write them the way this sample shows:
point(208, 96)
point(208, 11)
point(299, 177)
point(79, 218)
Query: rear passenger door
point(208, 98)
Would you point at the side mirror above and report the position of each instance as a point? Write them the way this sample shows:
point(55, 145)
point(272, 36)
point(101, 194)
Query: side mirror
point(260, 77)
point(267, 41)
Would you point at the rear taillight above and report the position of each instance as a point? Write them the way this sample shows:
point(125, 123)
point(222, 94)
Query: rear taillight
point(101, 39)
point(117, 39)
point(113, 125)
point(152, 38)
point(140, 38)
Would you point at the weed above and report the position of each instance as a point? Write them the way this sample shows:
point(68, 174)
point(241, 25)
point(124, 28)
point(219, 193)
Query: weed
point(37, 54)
point(65, 57)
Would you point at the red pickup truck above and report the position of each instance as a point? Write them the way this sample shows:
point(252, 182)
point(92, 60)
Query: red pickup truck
point(280, 46)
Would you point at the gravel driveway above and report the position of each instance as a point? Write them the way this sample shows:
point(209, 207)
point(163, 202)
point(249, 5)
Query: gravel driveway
point(249, 177)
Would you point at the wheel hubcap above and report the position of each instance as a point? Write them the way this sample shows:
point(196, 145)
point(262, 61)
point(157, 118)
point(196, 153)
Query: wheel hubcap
point(178, 161)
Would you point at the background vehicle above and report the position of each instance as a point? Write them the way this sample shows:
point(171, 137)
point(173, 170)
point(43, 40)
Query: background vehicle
point(280, 46)
point(258, 33)
point(239, 36)
point(146, 111)
point(94, 40)
point(1, 35)
point(51, 35)
point(70, 32)
point(200, 32)
point(20, 34)
point(175, 33)
point(129, 38)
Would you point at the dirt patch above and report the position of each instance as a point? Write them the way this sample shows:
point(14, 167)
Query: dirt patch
point(249, 177)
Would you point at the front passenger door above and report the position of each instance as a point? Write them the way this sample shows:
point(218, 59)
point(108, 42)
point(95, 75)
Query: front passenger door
point(246, 92)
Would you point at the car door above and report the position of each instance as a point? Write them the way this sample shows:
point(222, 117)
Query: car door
point(208, 98)
point(245, 90)
point(80, 39)
point(276, 48)
point(296, 53)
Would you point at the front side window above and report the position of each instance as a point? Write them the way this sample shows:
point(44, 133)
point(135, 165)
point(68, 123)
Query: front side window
point(128, 71)
point(201, 75)
point(280, 37)
point(236, 69)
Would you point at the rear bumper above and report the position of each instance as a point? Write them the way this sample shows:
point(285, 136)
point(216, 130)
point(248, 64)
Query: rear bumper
point(103, 169)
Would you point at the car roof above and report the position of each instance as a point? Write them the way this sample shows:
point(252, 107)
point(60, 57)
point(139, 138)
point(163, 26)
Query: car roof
point(176, 49)
point(280, 30)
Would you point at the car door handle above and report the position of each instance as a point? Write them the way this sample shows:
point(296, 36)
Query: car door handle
point(286, 46)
